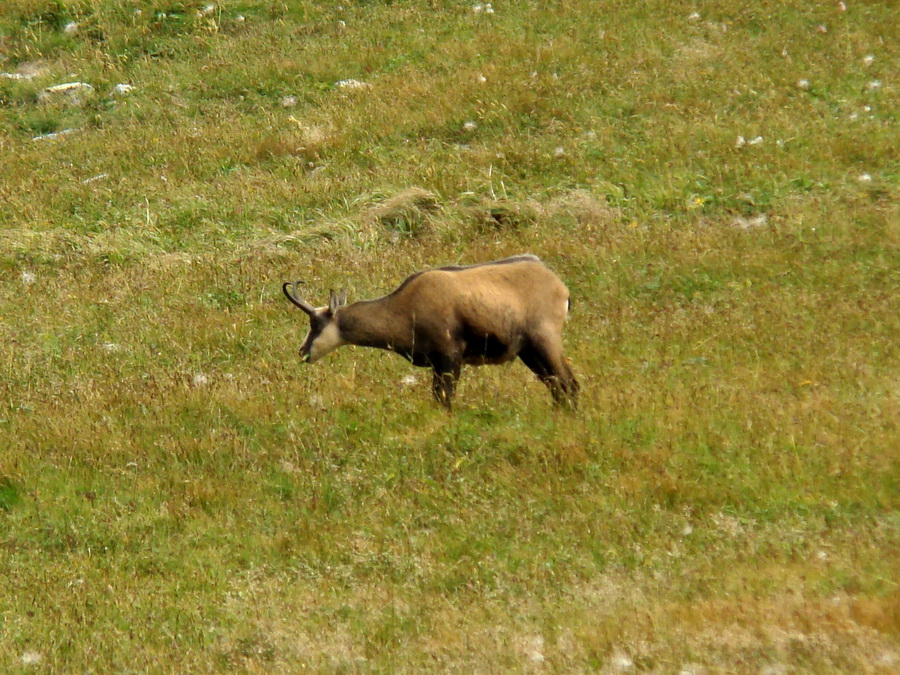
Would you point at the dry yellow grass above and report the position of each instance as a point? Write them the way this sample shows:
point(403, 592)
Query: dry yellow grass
point(177, 492)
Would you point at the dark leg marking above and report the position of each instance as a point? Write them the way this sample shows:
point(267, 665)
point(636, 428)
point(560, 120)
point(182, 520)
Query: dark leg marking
point(443, 381)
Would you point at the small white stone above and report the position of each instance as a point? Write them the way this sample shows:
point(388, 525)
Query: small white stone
point(352, 84)
point(694, 16)
point(470, 126)
point(55, 134)
point(559, 152)
point(803, 84)
point(873, 85)
point(121, 89)
point(865, 178)
point(288, 101)
point(200, 380)
point(869, 59)
point(70, 28)
point(68, 88)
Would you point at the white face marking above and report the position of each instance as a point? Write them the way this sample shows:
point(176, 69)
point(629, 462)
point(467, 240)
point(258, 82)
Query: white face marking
point(327, 341)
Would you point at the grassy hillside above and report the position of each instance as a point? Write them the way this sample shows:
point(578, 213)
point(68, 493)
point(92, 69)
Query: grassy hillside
point(717, 184)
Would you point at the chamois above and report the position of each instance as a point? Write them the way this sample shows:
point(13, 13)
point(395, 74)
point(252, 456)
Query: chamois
point(450, 316)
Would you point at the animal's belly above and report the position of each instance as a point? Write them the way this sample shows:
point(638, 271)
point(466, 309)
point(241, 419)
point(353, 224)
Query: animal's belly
point(488, 360)
point(487, 349)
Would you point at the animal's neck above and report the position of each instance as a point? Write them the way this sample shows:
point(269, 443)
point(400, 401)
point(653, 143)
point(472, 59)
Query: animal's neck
point(372, 323)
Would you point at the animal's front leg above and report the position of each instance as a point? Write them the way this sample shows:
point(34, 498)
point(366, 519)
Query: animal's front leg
point(443, 384)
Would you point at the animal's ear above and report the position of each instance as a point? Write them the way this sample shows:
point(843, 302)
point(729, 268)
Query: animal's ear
point(337, 300)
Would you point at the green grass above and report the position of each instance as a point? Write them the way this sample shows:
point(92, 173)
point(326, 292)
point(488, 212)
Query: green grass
point(178, 492)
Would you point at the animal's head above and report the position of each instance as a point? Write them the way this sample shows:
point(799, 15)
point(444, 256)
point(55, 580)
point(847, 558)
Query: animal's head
point(324, 334)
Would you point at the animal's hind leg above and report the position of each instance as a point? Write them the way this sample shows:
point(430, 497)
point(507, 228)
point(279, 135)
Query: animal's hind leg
point(545, 359)
point(443, 382)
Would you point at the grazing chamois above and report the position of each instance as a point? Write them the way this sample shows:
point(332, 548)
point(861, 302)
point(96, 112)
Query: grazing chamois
point(450, 316)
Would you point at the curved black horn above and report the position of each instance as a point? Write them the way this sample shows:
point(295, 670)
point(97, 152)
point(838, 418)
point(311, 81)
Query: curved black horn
point(290, 291)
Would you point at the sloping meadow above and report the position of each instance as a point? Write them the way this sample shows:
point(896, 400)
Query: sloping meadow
point(717, 184)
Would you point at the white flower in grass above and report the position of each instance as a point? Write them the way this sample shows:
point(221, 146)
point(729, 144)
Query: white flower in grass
point(559, 152)
point(756, 141)
point(888, 659)
point(31, 658)
point(873, 85)
point(620, 662)
point(869, 59)
point(482, 79)
point(27, 277)
point(741, 142)
point(691, 669)
point(694, 16)
point(200, 380)
point(409, 380)
point(470, 126)
point(865, 178)
point(70, 28)
point(803, 84)
point(842, 7)
point(773, 669)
